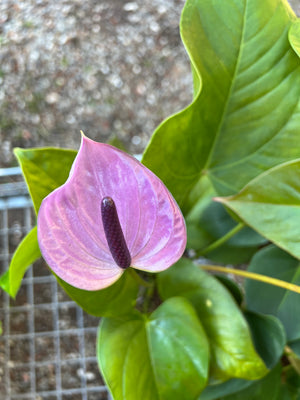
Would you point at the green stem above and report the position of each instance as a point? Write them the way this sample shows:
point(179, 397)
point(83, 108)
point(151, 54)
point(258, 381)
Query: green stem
point(223, 239)
point(139, 279)
point(254, 276)
point(293, 359)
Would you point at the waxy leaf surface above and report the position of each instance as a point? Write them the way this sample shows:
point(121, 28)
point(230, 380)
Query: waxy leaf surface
point(70, 228)
point(266, 388)
point(246, 111)
point(115, 300)
point(26, 253)
point(44, 170)
point(268, 299)
point(270, 204)
point(232, 351)
point(268, 335)
point(163, 357)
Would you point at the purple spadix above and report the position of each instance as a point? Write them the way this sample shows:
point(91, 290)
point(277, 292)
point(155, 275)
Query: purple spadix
point(114, 234)
point(112, 213)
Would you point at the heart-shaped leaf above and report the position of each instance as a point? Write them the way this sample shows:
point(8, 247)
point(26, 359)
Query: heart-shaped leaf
point(268, 299)
point(163, 357)
point(232, 352)
point(246, 112)
point(270, 204)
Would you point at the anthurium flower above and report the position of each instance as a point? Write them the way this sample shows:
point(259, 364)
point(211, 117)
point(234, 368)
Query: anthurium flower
point(112, 213)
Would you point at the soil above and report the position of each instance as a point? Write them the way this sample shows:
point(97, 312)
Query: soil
point(113, 69)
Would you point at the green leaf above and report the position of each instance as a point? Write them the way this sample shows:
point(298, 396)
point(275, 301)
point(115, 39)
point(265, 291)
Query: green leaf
point(232, 351)
point(213, 223)
point(232, 287)
point(246, 111)
point(294, 36)
point(266, 388)
point(291, 387)
point(164, 357)
point(214, 392)
point(268, 299)
point(26, 253)
point(295, 346)
point(115, 300)
point(270, 204)
point(44, 170)
point(269, 337)
point(238, 389)
point(217, 222)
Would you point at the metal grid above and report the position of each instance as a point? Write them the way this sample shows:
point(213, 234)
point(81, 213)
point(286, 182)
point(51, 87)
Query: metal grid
point(47, 349)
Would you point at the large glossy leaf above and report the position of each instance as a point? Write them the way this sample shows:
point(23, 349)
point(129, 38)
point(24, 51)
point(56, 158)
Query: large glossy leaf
point(26, 253)
point(270, 204)
point(44, 170)
point(268, 299)
point(232, 352)
point(245, 115)
point(163, 357)
point(115, 300)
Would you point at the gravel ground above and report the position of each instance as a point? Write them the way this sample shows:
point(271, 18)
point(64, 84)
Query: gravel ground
point(108, 67)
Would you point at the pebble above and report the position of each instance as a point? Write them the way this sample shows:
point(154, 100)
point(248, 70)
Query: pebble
point(109, 68)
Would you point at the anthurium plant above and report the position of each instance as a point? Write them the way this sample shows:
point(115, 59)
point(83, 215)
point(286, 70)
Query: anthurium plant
point(155, 248)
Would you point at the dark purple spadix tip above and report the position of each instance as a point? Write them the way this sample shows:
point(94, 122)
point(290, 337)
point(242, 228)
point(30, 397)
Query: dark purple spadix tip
point(114, 234)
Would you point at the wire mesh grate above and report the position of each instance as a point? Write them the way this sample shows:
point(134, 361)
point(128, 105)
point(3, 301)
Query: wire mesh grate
point(47, 348)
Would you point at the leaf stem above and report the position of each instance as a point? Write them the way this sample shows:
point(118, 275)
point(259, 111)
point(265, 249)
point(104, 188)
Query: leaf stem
point(223, 239)
point(139, 279)
point(254, 276)
point(293, 359)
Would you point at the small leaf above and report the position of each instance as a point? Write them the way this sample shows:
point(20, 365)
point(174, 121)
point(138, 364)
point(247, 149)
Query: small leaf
point(26, 253)
point(115, 300)
point(266, 388)
point(164, 357)
point(232, 352)
point(269, 337)
point(214, 392)
point(270, 204)
point(268, 299)
point(44, 170)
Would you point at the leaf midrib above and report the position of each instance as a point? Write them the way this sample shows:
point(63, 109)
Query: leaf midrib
point(218, 131)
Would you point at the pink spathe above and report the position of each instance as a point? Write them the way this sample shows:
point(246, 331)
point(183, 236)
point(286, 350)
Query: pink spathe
point(70, 230)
